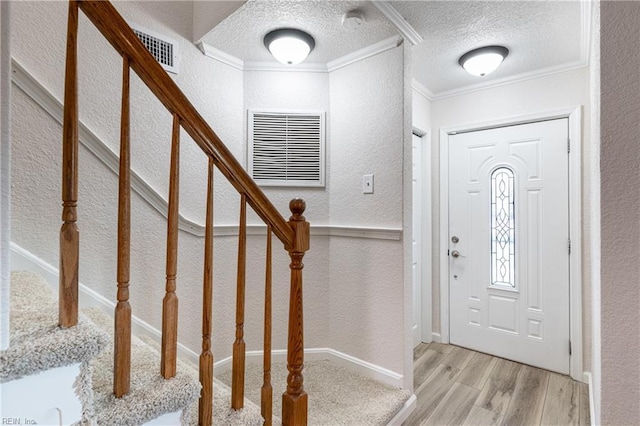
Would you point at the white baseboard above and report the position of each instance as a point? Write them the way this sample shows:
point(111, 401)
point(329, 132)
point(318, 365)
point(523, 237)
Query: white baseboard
point(404, 412)
point(357, 365)
point(436, 337)
point(22, 259)
point(588, 379)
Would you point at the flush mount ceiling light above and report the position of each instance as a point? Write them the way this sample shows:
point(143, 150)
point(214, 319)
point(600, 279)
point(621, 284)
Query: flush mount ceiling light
point(483, 60)
point(288, 45)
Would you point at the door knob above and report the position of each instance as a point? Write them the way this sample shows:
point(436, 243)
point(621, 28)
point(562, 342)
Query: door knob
point(456, 254)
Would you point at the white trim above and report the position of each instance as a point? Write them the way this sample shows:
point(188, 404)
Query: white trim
point(398, 21)
point(220, 56)
point(404, 413)
point(349, 362)
point(421, 89)
point(24, 260)
point(315, 67)
point(278, 67)
point(45, 99)
point(364, 53)
point(41, 96)
point(436, 337)
point(556, 69)
point(574, 115)
point(585, 48)
point(588, 379)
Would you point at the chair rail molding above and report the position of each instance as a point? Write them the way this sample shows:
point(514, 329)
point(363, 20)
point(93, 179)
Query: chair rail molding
point(52, 106)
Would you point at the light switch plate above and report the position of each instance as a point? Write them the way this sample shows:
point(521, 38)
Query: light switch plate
point(367, 184)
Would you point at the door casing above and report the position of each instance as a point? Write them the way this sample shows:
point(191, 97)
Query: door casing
point(575, 222)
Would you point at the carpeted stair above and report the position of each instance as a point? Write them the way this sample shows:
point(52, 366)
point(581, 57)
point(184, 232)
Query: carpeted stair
point(38, 344)
point(337, 396)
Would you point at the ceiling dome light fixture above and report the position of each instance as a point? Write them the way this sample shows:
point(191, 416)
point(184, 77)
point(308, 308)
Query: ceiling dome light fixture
point(484, 60)
point(288, 45)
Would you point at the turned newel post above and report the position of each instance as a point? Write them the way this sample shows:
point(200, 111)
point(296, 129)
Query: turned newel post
point(69, 235)
point(294, 400)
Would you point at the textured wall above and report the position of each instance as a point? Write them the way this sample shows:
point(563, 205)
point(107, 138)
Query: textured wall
point(223, 95)
point(299, 91)
point(38, 30)
point(620, 220)
point(367, 136)
point(5, 175)
point(564, 90)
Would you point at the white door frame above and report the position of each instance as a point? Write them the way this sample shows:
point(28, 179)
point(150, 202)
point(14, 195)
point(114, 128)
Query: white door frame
point(425, 261)
point(575, 222)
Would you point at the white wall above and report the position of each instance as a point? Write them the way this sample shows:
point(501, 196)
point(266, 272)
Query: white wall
point(594, 173)
point(38, 30)
point(545, 94)
point(293, 91)
point(354, 289)
point(366, 306)
point(620, 213)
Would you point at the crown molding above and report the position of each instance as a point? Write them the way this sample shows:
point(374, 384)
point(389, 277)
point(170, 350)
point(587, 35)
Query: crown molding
point(511, 79)
point(407, 31)
point(220, 56)
point(420, 88)
point(316, 67)
point(278, 67)
point(366, 52)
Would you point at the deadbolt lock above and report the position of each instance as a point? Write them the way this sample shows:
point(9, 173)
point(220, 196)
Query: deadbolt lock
point(455, 239)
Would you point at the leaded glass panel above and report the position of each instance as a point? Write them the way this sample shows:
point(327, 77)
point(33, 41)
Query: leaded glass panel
point(503, 228)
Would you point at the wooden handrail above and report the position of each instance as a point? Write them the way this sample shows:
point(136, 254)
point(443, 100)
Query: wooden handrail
point(116, 30)
point(294, 234)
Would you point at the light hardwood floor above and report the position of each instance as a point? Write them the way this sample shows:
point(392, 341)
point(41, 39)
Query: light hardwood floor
point(457, 386)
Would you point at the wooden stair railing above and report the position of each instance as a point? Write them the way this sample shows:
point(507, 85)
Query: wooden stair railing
point(294, 233)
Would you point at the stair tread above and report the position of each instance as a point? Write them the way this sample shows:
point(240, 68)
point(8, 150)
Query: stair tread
point(151, 395)
point(37, 343)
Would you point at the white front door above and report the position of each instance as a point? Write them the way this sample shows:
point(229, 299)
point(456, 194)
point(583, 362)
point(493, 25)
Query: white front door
point(509, 242)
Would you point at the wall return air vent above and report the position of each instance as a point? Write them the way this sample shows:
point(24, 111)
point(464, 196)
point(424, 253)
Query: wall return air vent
point(287, 148)
point(164, 49)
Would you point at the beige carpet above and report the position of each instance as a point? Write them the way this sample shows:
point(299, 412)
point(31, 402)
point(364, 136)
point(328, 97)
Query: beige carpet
point(36, 342)
point(151, 395)
point(337, 396)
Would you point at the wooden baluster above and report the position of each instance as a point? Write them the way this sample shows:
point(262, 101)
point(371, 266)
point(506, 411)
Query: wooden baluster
point(69, 234)
point(294, 400)
point(237, 379)
point(205, 406)
point(266, 405)
point(169, 348)
point(122, 336)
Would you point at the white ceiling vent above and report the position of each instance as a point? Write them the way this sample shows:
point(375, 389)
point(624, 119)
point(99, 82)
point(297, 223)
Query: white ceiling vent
point(164, 49)
point(287, 148)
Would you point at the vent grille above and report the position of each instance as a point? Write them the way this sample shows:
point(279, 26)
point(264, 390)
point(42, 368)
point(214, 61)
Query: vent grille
point(162, 48)
point(287, 149)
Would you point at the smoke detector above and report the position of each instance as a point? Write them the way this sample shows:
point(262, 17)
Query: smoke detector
point(353, 20)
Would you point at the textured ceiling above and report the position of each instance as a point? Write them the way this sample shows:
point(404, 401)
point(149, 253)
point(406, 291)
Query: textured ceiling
point(241, 33)
point(539, 34)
